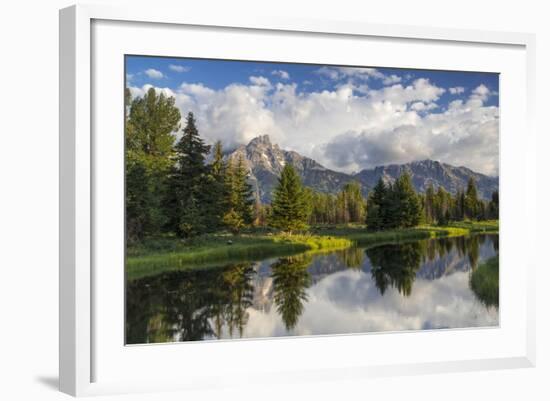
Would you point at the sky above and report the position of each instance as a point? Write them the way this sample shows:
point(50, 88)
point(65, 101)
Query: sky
point(347, 118)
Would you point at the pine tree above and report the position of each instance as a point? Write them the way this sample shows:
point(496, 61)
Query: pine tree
point(216, 203)
point(245, 197)
point(493, 206)
point(150, 123)
point(290, 206)
point(442, 212)
point(355, 206)
point(138, 200)
point(261, 213)
point(459, 203)
point(152, 120)
point(429, 204)
point(406, 208)
point(188, 191)
point(377, 207)
point(240, 200)
point(471, 206)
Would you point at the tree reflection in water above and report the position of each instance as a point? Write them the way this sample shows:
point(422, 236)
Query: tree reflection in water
point(395, 265)
point(290, 281)
point(352, 257)
point(216, 302)
point(189, 305)
point(237, 292)
point(472, 245)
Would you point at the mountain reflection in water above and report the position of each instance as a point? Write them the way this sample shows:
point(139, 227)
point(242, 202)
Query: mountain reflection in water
point(408, 286)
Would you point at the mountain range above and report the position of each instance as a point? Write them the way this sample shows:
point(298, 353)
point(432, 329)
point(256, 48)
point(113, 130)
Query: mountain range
point(266, 160)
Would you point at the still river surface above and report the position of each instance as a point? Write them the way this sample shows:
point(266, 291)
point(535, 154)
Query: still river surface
point(409, 286)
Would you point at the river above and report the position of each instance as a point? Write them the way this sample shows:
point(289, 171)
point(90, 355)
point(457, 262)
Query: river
point(416, 285)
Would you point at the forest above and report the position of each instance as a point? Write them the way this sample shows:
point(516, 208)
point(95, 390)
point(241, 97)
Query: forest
point(187, 188)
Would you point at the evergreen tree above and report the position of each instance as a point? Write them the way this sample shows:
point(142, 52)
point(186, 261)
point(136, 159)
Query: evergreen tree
point(138, 200)
point(406, 208)
point(355, 207)
point(422, 203)
point(429, 204)
point(377, 206)
point(460, 204)
point(245, 198)
point(342, 208)
point(150, 123)
point(240, 199)
point(216, 202)
point(152, 120)
point(493, 206)
point(442, 206)
point(471, 202)
point(187, 198)
point(291, 204)
point(347, 206)
point(261, 213)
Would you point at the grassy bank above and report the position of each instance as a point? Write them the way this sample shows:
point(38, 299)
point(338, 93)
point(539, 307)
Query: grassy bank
point(170, 253)
point(489, 226)
point(484, 282)
point(361, 236)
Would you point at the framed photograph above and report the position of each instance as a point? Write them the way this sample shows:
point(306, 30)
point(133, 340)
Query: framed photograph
point(340, 199)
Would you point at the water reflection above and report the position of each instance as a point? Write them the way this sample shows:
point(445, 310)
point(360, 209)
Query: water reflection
point(416, 285)
point(395, 265)
point(290, 280)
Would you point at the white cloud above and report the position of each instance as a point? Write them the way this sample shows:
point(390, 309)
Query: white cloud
point(337, 73)
point(179, 68)
point(457, 90)
point(391, 79)
point(361, 72)
point(198, 90)
point(328, 72)
point(154, 74)
point(350, 127)
point(421, 89)
point(260, 81)
point(481, 93)
point(281, 74)
point(421, 106)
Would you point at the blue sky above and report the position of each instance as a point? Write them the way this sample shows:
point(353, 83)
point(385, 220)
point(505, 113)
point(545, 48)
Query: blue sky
point(218, 74)
point(387, 115)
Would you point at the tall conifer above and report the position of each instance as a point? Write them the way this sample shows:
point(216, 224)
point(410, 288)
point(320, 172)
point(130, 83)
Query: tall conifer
point(188, 183)
point(151, 121)
point(471, 206)
point(377, 206)
point(291, 204)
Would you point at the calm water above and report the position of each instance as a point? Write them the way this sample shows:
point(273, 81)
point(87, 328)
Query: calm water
point(418, 285)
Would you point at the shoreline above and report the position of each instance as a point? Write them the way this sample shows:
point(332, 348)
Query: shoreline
point(171, 254)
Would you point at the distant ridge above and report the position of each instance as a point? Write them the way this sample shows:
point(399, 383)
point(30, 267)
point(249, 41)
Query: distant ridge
point(266, 160)
point(424, 172)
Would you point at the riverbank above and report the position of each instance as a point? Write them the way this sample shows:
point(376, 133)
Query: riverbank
point(484, 282)
point(170, 253)
point(159, 255)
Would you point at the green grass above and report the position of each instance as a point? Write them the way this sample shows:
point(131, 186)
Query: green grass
point(167, 253)
point(164, 254)
point(358, 233)
point(484, 282)
point(489, 226)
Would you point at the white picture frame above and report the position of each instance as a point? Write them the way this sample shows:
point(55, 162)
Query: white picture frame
point(81, 342)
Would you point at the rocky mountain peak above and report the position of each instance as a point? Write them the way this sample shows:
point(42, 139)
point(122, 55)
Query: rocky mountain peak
point(262, 140)
point(266, 160)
